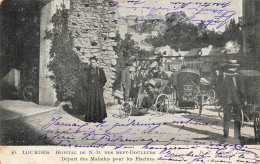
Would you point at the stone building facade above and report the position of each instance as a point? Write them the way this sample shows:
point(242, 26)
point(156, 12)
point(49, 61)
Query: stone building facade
point(251, 32)
point(93, 27)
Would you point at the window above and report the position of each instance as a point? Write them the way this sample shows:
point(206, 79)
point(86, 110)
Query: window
point(164, 53)
point(257, 7)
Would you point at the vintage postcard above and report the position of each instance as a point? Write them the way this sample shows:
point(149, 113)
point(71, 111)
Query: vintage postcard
point(115, 81)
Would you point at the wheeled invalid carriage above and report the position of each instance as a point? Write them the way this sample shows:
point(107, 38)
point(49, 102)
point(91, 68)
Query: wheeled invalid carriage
point(160, 101)
point(188, 94)
point(251, 110)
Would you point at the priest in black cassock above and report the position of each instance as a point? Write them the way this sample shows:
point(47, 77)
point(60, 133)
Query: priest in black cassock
point(94, 82)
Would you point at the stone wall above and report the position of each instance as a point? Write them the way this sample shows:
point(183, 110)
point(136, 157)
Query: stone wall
point(93, 28)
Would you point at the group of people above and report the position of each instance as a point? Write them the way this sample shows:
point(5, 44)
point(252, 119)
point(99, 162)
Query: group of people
point(141, 81)
point(229, 89)
point(94, 79)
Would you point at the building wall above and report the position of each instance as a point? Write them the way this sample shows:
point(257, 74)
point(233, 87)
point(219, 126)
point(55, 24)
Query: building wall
point(251, 27)
point(19, 44)
point(247, 23)
point(1, 31)
point(12, 78)
point(1, 28)
point(7, 37)
point(47, 95)
point(93, 28)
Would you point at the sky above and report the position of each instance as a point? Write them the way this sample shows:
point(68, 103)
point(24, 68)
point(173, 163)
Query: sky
point(206, 10)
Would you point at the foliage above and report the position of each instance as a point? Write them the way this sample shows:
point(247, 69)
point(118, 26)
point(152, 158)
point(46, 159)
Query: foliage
point(186, 36)
point(149, 27)
point(65, 64)
point(128, 52)
point(125, 49)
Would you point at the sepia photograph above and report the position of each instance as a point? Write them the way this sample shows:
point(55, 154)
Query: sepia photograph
point(146, 80)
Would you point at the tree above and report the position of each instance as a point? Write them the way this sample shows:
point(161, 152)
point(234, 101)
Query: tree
point(128, 52)
point(186, 35)
point(233, 33)
point(65, 65)
point(125, 49)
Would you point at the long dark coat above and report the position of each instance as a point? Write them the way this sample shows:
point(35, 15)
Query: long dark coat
point(233, 90)
point(92, 95)
point(126, 83)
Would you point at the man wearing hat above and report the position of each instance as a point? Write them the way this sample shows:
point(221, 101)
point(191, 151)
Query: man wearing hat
point(161, 74)
point(233, 98)
point(136, 83)
point(173, 78)
point(126, 81)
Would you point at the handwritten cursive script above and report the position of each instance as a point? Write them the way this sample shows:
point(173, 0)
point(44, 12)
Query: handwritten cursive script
point(131, 132)
point(214, 14)
point(152, 135)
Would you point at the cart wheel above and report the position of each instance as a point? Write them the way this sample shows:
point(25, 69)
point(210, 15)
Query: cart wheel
point(196, 106)
point(219, 108)
point(257, 127)
point(171, 93)
point(220, 112)
point(174, 96)
point(162, 104)
point(200, 109)
point(212, 97)
point(216, 104)
point(176, 106)
point(28, 93)
point(200, 104)
point(242, 117)
point(125, 110)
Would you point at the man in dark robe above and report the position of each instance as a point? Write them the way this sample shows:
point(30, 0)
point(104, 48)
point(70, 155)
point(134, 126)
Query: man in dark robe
point(94, 82)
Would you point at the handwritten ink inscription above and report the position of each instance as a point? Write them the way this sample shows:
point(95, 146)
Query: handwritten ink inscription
point(123, 138)
point(215, 14)
point(125, 133)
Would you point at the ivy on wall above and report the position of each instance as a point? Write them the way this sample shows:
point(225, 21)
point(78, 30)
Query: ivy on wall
point(64, 64)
